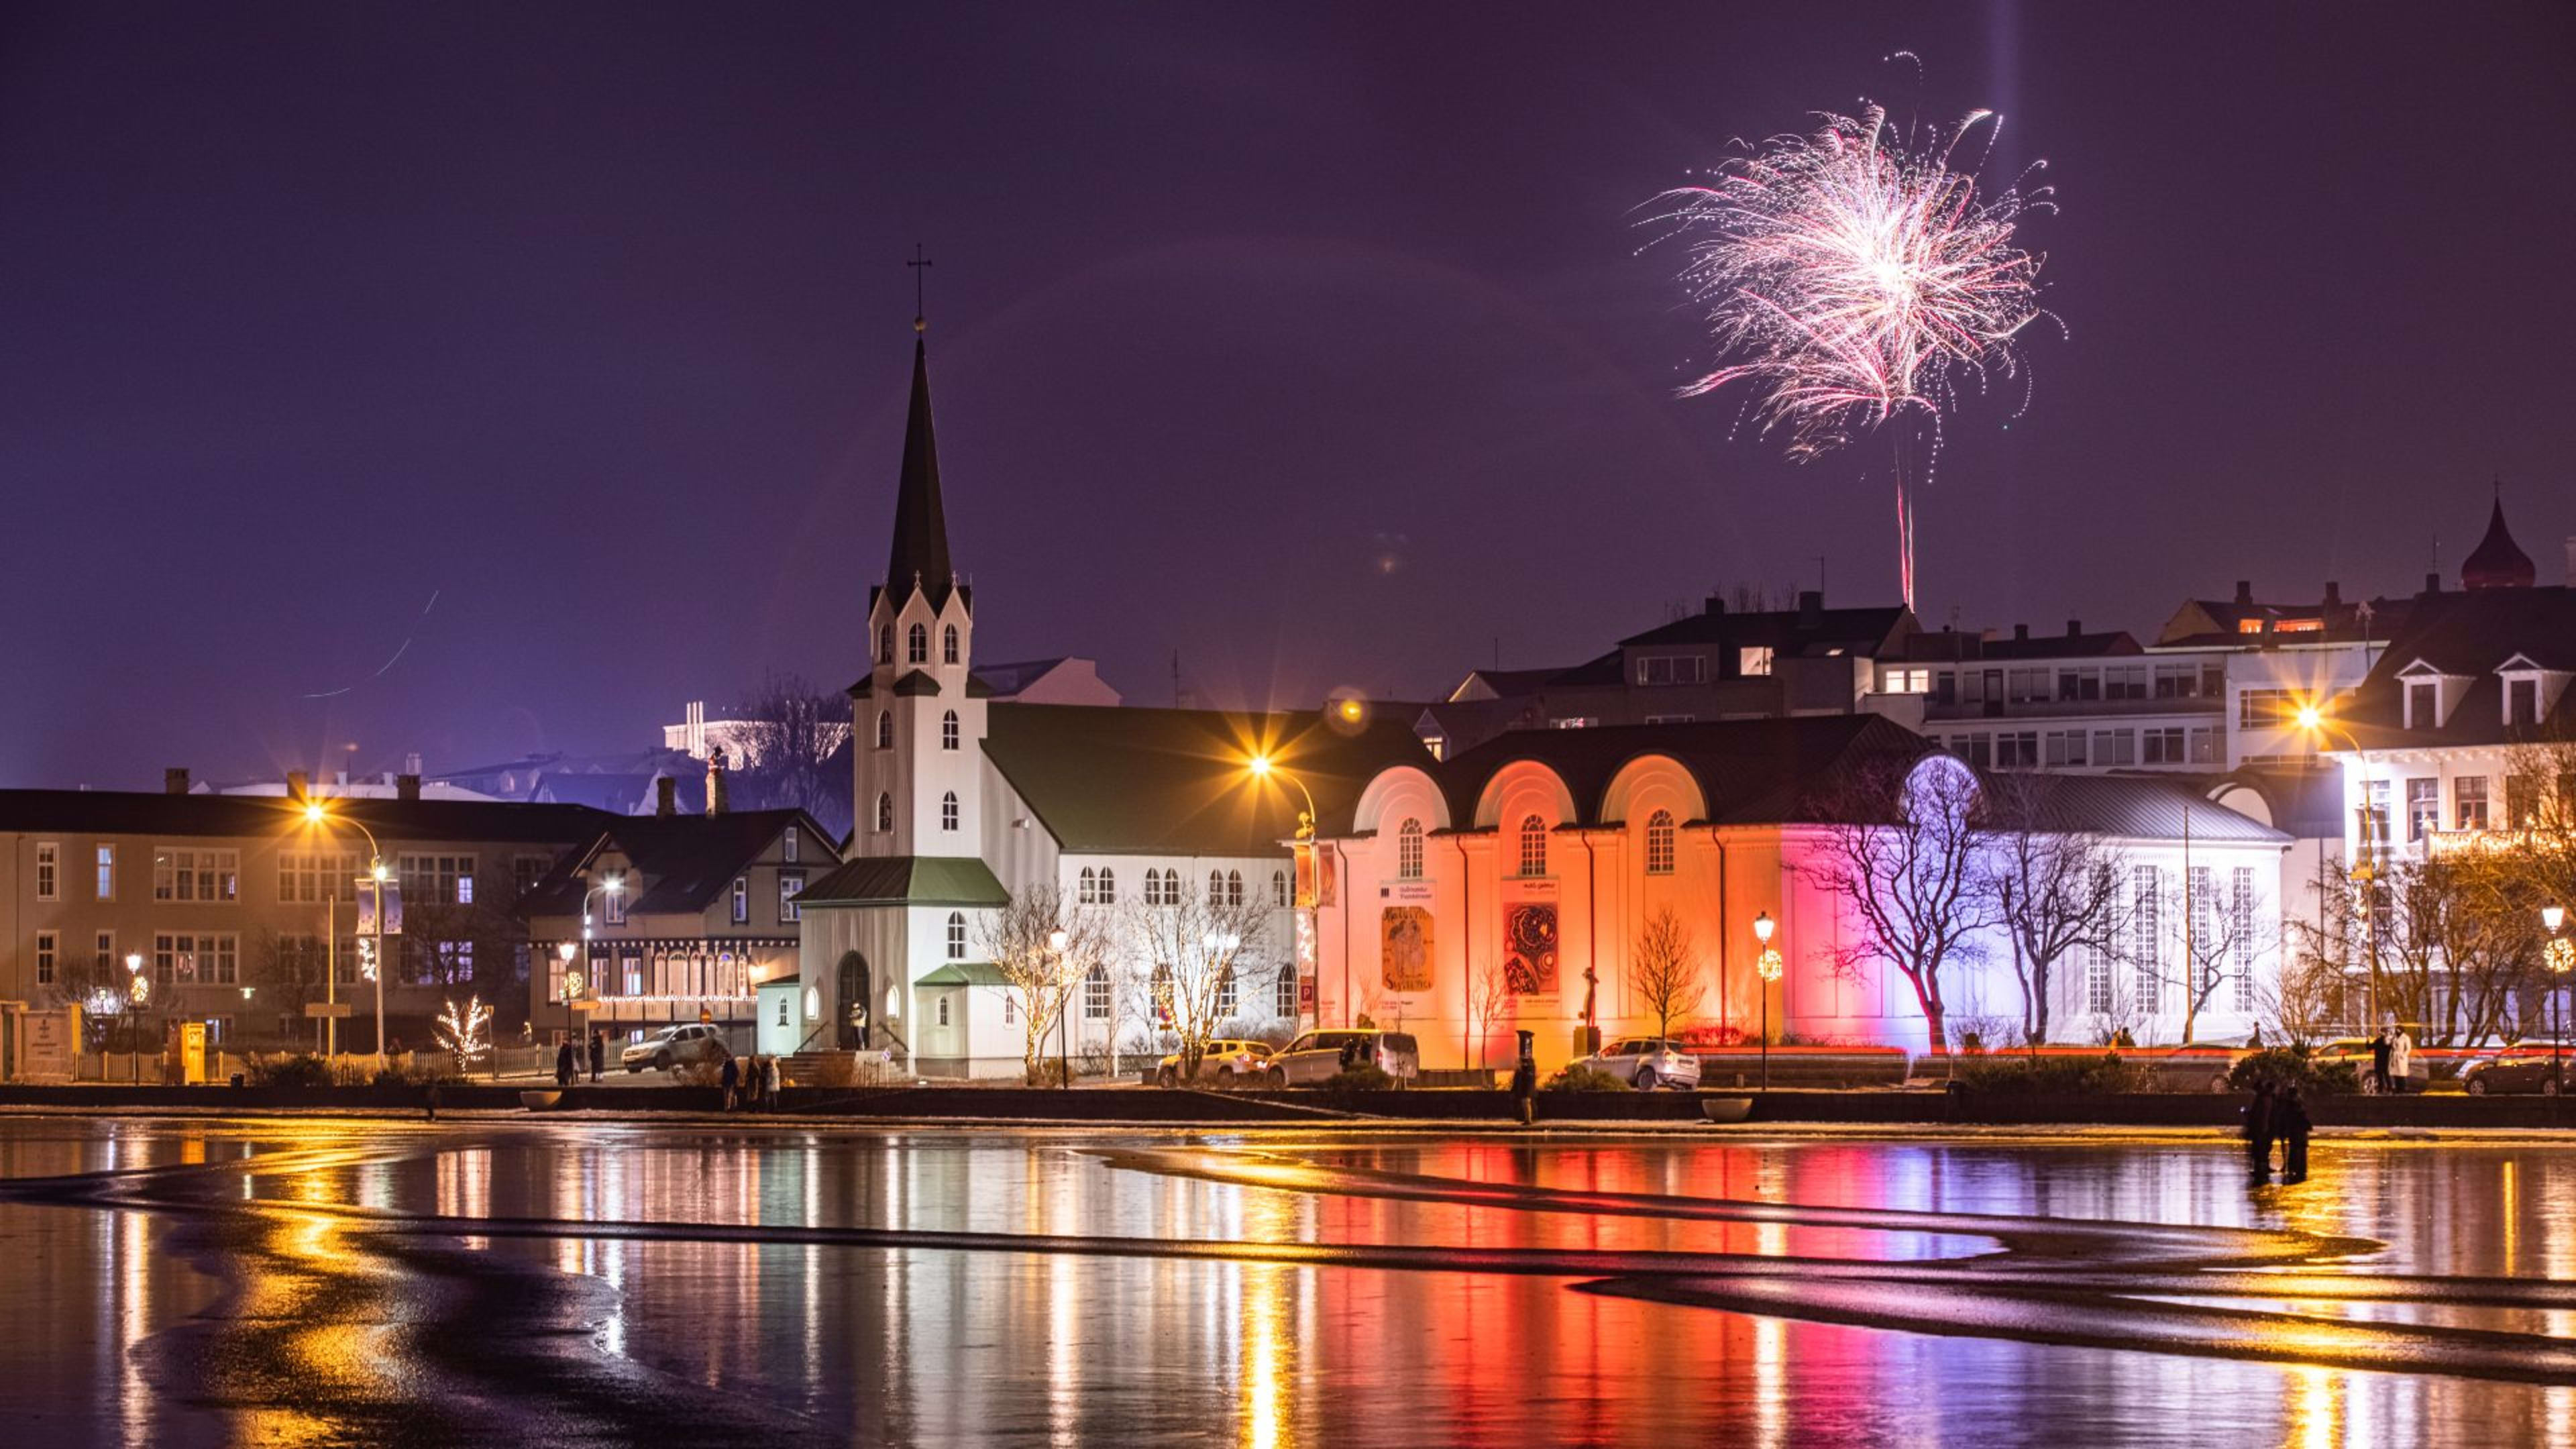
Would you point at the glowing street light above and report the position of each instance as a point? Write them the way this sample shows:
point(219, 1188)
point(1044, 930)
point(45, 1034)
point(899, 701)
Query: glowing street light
point(2561, 956)
point(1262, 767)
point(2373, 834)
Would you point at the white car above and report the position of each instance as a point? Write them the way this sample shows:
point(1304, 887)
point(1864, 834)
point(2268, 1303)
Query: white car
point(1226, 1061)
point(1647, 1062)
point(674, 1047)
point(1317, 1056)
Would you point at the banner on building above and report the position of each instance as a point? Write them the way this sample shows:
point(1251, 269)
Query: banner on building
point(1310, 894)
point(1404, 948)
point(1530, 947)
point(371, 922)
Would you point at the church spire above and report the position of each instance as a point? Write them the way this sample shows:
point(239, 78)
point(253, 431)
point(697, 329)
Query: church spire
point(919, 558)
point(2497, 562)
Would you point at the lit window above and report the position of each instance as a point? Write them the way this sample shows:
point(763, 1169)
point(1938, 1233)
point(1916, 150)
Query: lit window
point(1659, 843)
point(741, 899)
point(1753, 661)
point(790, 884)
point(1533, 847)
point(1408, 851)
point(787, 846)
point(107, 872)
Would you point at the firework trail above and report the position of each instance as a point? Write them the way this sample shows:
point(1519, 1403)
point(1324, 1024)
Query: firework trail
point(1858, 276)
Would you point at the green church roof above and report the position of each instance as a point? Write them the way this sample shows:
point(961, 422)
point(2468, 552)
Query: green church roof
point(909, 880)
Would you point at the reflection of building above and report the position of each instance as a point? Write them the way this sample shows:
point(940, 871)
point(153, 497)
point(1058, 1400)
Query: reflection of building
point(232, 902)
point(1539, 857)
point(964, 798)
point(705, 914)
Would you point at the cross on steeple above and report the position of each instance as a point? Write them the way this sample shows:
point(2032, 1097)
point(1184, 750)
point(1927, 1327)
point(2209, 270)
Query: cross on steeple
point(920, 265)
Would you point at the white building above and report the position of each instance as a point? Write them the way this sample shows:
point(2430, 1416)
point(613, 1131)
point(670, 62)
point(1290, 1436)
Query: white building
point(963, 800)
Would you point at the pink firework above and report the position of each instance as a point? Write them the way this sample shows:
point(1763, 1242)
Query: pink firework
point(1856, 274)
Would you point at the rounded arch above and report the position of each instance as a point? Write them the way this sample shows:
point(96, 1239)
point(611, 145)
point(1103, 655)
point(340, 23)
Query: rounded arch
point(948, 644)
point(885, 729)
point(885, 812)
point(852, 994)
point(948, 810)
point(1651, 782)
point(948, 730)
point(1396, 793)
point(956, 935)
point(1520, 789)
point(916, 644)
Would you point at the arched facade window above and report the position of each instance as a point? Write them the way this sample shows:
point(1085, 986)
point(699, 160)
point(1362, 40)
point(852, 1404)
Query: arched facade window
point(1533, 846)
point(948, 645)
point(956, 935)
point(885, 643)
point(1154, 889)
point(1659, 843)
point(1108, 886)
point(885, 812)
point(916, 644)
point(1287, 993)
point(1408, 851)
point(1086, 887)
point(1216, 887)
point(1225, 1002)
point(885, 729)
point(1234, 888)
point(1095, 994)
point(948, 811)
point(948, 730)
point(1279, 889)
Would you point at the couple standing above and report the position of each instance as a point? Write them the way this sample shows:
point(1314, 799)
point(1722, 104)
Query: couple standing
point(2277, 1116)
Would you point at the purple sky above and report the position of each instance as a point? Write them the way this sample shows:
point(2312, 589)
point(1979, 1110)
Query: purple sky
point(591, 324)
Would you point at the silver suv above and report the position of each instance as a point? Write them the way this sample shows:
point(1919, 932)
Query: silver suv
point(1647, 1062)
point(1316, 1056)
point(674, 1047)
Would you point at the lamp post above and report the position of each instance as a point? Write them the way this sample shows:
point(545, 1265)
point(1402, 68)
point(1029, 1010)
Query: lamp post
point(1057, 940)
point(375, 878)
point(1262, 768)
point(1766, 966)
point(2364, 873)
point(138, 991)
point(2561, 955)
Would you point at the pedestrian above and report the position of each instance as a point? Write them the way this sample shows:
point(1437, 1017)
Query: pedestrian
point(2260, 1124)
point(2290, 1120)
point(751, 1082)
point(2401, 1059)
point(2381, 1049)
point(598, 1054)
point(726, 1078)
point(1525, 1079)
point(563, 1063)
point(769, 1082)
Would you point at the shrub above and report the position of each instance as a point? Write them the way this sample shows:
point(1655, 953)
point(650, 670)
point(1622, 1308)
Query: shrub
point(2051, 1076)
point(2294, 1066)
point(1580, 1078)
point(294, 1069)
point(1048, 1073)
point(1366, 1077)
point(699, 1074)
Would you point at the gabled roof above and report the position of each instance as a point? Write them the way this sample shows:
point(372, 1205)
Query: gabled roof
point(687, 861)
point(907, 880)
point(1174, 782)
point(2469, 634)
point(138, 812)
point(1758, 771)
point(966, 973)
point(1795, 633)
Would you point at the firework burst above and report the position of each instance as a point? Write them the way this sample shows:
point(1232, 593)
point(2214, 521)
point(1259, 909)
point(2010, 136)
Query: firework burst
point(1856, 274)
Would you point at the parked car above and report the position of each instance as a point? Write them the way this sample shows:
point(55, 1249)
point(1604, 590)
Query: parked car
point(1647, 1062)
point(2519, 1069)
point(2356, 1050)
point(1227, 1060)
point(1315, 1056)
point(674, 1047)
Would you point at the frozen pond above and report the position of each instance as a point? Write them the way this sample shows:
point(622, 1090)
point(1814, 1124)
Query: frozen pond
point(374, 1282)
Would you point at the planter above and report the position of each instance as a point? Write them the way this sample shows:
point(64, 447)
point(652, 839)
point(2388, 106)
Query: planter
point(1726, 1109)
point(540, 1101)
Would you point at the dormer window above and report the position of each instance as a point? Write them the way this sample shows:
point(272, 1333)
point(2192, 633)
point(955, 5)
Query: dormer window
point(2522, 702)
point(2423, 704)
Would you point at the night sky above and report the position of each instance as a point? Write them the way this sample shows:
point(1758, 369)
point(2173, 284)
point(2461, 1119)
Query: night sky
point(1312, 346)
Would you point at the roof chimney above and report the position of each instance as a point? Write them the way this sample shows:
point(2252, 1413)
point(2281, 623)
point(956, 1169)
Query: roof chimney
point(1717, 602)
point(1811, 607)
point(174, 780)
point(406, 787)
point(715, 782)
point(2074, 628)
point(2433, 582)
point(2021, 633)
point(296, 789)
point(2245, 593)
point(665, 796)
point(2334, 594)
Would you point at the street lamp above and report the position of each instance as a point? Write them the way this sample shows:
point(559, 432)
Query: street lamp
point(1766, 966)
point(2372, 831)
point(138, 993)
point(1057, 941)
point(316, 814)
point(1263, 767)
point(2561, 956)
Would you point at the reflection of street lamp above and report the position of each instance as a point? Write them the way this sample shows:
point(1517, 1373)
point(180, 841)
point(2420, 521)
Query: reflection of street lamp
point(2364, 872)
point(2561, 955)
point(1766, 966)
point(1262, 768)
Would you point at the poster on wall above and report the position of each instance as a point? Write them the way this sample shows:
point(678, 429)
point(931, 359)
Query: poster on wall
point(1404, 937)
point(1529, 947)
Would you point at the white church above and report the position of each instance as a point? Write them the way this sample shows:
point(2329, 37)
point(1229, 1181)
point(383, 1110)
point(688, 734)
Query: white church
point(962, 801)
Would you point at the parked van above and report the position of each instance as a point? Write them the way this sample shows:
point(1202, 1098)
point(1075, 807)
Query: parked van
point(1316, 1055)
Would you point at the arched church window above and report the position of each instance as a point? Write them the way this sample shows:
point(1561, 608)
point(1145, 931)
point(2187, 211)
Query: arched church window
point(885, 812)
point(1086, 887)
point(1233, 889)
point(1095, 994)
point(1533, 846)
point(1225, 1002)
point(956, 935)
point(885, 643)
point(1408, 851)
point(885, 729)
point(916, 645)
point(1108, 886)
point(1279, 889)
point(948, 811)
point(1216, 887)
point(1659, 843)
point(948, 645)
point(1286, 993)
point(948, 730)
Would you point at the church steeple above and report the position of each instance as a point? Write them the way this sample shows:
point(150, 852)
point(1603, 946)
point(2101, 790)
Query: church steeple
point(919, 556)
point(2497, 562)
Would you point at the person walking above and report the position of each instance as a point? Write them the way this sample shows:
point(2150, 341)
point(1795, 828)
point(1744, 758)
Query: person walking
point(2290, 1120)
point(2381, 1049)
point(2259, 1129)
point(2401, 1059)
point(563, 1063)
point(1525, 1078)
point(598, 1054)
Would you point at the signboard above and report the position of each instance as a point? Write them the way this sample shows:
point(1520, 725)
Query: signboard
point(184, 1064)
point(334, 1009)
point(1530, 941)
point(1305, 996)
point(368, 925)
point(52, 1045)
point(1404, 948)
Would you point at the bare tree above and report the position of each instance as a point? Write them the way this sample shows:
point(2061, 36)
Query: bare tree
point(1198, 954)
point(1901, 857)
point(2054, 893)
point(1664, 970)
point(1043, 949)
point(789, 729)
point(1489, 995)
